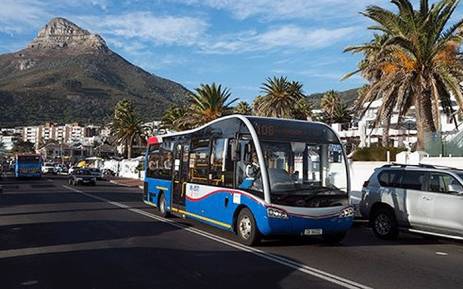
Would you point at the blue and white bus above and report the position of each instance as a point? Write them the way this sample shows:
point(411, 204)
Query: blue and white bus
point(254, 176)
point(28, 166)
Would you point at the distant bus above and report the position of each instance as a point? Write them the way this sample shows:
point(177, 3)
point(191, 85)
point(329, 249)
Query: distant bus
point(253, 176)
point(28, 166)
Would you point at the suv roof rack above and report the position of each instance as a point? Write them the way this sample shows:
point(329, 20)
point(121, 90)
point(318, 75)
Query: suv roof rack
point(426, 166)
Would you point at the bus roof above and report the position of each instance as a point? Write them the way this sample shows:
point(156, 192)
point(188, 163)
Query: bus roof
point(268, 127)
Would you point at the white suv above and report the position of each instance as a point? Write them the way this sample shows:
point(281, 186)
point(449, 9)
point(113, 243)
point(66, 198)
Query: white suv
point(421, 199)
point(48, 168)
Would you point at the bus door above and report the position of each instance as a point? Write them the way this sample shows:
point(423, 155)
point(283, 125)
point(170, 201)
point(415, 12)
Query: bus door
point(180, 174)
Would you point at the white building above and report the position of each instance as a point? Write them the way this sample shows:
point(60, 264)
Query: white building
point(68, 133)
point(400, 135)
point(8, 141)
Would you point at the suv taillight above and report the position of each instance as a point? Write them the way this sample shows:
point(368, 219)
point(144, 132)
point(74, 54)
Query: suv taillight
point(365, 184)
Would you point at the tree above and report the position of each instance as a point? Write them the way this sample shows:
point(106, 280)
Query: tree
point(21, 146)
point(334, 110)
point(280, 97)
point(176, 118)
point(413, 61)
point(303, 109)
point(126, 126)
point(243, 108)
point(210, 102)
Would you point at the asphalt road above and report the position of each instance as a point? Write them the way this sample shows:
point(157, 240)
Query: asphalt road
point(54, 236)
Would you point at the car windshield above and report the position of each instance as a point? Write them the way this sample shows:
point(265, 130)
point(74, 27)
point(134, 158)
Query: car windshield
point(305, 169)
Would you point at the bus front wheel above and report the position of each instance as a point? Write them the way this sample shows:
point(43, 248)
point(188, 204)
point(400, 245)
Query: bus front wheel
point(162, 206)
point(246, 228)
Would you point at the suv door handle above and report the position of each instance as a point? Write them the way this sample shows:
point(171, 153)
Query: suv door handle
point(427, 198)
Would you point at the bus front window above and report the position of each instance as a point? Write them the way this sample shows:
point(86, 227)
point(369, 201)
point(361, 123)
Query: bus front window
point(306, 175)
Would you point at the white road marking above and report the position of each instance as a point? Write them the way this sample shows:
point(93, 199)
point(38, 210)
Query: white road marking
point(29, 283)
point(442, 253)
point(343, 282)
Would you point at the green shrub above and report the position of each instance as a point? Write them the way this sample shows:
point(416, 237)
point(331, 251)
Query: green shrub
point(376, 153)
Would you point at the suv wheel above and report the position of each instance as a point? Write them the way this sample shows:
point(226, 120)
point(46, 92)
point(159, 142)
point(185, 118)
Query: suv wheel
point(384, 224)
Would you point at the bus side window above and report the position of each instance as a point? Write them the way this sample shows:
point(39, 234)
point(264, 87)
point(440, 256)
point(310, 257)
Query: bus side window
point(199, 161)
point(221, 171)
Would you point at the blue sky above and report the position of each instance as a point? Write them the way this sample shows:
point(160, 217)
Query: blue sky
point(236, 43)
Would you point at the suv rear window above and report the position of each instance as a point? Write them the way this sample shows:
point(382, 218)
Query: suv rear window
point(389, 178)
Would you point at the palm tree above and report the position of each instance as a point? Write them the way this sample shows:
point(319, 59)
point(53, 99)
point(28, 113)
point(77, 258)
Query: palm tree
point(329, 104)
point(334, 110)
point(256, 105)
point(210, 102)
point(176, 118)
point(126, 126)
point(414, 61)
point(280, 96)
point(303, 109)
point(243, 108)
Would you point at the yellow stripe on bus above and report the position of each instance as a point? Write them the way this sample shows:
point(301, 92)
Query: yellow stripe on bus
point(201, 218)
point(150, 204)
point(162, 188)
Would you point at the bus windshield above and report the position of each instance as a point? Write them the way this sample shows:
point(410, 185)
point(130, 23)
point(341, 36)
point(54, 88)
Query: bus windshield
point(29, 159)
point(305, 169)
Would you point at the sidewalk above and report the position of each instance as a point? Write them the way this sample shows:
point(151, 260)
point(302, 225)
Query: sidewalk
point(134, 183)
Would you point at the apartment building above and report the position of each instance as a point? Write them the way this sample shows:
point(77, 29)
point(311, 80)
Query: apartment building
point(67, 133)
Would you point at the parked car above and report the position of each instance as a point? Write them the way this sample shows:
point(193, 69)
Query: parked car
point(108, 173)
point(72, 169)
point(97, 173)
point(48, 168)
point(422, 199)
point(60, 169)
point(82, 177)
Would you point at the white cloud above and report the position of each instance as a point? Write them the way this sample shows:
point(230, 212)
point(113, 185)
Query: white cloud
point(102, 4)
point(285, 9)
point(17, 16)
point(149, 27)
point(288, 36)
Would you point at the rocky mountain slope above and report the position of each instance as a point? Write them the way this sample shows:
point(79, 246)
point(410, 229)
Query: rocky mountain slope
point(69, 74)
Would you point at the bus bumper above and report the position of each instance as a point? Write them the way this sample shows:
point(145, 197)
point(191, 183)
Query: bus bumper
point(303, 226)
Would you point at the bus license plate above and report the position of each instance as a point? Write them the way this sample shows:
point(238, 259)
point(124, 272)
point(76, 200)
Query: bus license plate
point(313, 232)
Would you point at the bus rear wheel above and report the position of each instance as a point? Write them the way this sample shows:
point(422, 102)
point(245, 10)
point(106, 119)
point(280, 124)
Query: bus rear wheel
point(246, 228)
point(162, 206)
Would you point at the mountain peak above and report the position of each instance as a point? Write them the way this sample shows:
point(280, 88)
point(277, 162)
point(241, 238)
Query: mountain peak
point(62, 33)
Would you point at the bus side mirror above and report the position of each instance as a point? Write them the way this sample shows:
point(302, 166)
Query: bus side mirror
point(234, 150)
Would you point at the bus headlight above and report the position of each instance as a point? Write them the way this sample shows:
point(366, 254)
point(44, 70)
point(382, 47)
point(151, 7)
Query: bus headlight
point(347, 213)
point(276, 213)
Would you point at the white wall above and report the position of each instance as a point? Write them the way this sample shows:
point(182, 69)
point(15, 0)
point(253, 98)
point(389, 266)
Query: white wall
point(125, 168)
point(361, 172)
point(444, 161)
